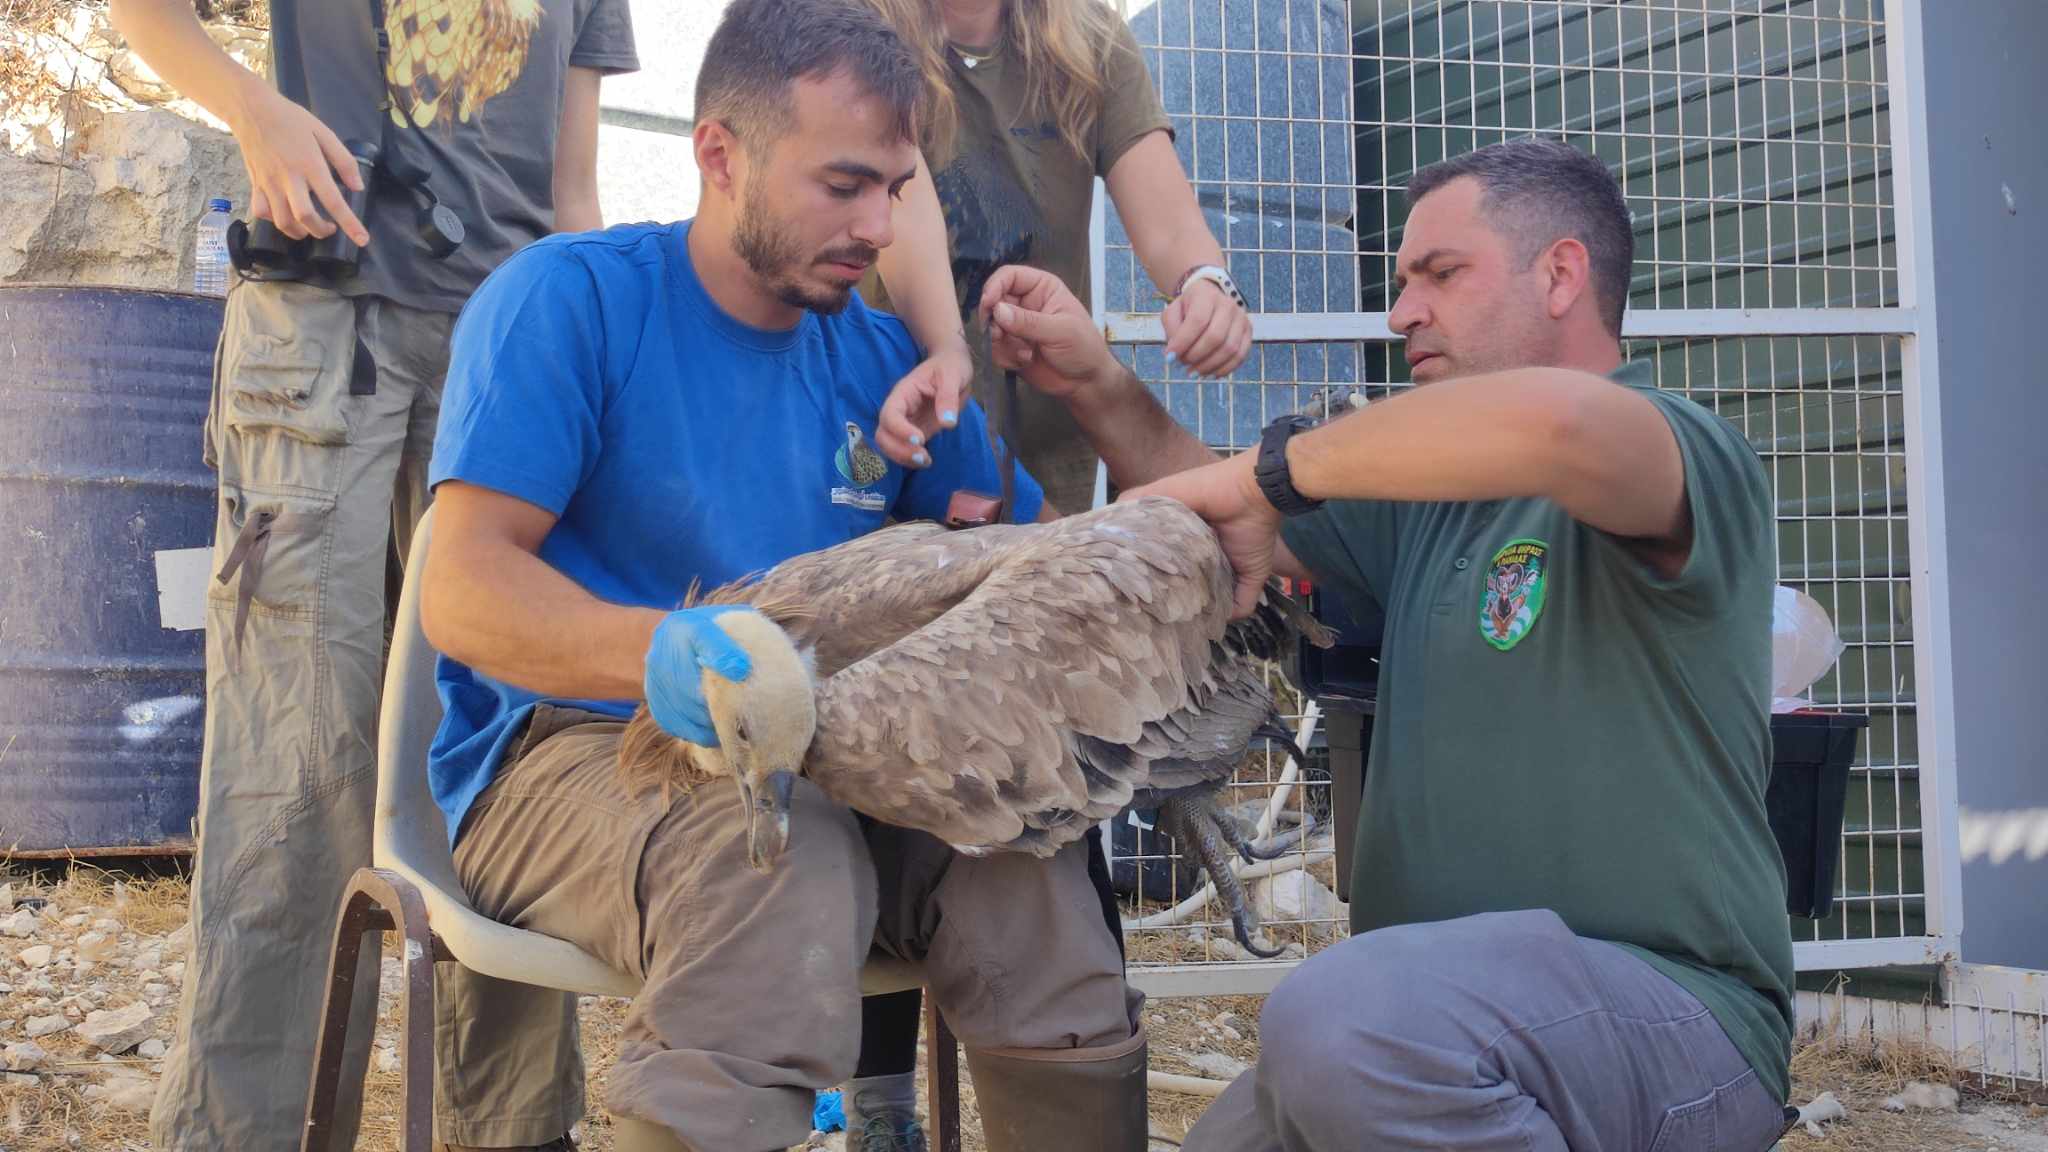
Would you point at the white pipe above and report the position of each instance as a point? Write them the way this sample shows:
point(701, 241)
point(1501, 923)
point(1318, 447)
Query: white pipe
point(1310, 713)
point(1185, 1085)
point(1193, 904)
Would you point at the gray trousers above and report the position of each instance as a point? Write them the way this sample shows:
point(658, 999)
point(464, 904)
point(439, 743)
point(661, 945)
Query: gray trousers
point(321, 476)
point(1501, 1031)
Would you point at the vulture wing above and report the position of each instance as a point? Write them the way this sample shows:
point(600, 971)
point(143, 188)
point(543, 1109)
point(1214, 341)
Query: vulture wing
point(1008, 686)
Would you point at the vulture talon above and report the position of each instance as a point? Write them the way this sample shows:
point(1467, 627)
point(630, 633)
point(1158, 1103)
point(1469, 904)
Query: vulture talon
point(1246, 935)
point(1195, 823)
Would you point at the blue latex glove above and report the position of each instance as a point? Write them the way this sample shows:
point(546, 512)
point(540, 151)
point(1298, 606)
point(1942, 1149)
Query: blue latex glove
point(828, 1114)
point(685, 644)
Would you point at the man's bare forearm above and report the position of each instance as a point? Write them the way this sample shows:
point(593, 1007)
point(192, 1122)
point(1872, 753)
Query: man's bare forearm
point(508, 614)
point(1593, 446)
point(1132, 431)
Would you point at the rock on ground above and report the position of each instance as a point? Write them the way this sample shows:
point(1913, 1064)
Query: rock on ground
point(35, 957)
point(1220, 1065)
point(127, 1093)
point(26, 1056)
point(42, 1026)
point(1822, 1109)
point(1295, 895)
point(118, 1029)
point(1925, 1098)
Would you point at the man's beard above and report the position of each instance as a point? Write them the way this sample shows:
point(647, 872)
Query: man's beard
point(773, 253)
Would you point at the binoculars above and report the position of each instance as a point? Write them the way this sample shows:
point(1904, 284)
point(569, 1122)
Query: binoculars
point(257, 248)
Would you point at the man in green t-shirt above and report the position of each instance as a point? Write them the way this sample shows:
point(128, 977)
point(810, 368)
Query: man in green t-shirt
point(1568, 917)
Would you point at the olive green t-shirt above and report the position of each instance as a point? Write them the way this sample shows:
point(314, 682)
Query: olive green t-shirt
point(1015, 192)
point(1560, 728)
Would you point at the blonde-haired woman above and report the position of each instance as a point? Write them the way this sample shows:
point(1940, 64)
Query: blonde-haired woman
point(1027, 102)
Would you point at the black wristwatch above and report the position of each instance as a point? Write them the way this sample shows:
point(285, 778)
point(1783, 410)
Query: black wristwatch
point(1271, 469)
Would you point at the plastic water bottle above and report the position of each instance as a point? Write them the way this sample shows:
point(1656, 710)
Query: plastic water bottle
point(210, 268)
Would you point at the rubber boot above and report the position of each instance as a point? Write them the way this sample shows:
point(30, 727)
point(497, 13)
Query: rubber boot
point(1062, 1099)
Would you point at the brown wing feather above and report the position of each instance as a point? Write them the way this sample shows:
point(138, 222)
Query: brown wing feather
point(858, 597)
point(1092, 628)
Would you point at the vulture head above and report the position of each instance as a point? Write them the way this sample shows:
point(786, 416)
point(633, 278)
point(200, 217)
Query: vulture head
point(765, 724)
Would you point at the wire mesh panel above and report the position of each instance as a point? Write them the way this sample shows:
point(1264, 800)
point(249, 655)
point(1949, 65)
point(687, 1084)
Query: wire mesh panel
point(1260, 94)
point(1753, 142)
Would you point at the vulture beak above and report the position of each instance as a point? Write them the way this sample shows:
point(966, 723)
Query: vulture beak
point(768, 820)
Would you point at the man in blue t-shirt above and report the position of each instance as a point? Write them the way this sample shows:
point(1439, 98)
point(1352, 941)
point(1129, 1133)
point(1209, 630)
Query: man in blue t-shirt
point(635, 410)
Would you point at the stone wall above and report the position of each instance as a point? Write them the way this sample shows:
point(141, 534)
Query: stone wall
point(104, 172)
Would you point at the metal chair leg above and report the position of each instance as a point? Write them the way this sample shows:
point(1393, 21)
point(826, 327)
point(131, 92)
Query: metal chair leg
point(942, 1078)
point(374, 901)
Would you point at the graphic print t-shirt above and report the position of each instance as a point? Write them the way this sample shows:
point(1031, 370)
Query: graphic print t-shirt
point(476, 93)
point(1015, 192)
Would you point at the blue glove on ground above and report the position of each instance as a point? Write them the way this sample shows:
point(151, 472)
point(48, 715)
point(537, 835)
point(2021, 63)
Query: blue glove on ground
point(685, 645)
point(827, 1113)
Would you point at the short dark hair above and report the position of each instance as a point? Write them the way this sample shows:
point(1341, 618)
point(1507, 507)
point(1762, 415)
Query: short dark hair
point(1537, 192)
point(763, 47)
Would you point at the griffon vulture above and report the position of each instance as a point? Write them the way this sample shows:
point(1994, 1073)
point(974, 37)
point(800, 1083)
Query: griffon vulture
point(1001, 688)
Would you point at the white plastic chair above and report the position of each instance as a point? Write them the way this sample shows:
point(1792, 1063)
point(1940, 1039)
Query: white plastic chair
point(412, 888)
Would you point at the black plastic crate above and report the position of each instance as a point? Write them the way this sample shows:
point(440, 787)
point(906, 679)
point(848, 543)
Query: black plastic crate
point(1810, 757)
point(1351, 667)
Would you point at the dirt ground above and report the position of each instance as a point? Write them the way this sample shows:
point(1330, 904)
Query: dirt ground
point(115, 942)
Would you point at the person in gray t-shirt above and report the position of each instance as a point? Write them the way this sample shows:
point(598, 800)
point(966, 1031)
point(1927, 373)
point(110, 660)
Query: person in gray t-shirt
point(325, 401)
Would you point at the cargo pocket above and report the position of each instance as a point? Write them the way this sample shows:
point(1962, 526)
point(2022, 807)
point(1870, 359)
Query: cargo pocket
point(271, 556)
point(1688, 1127)
point(287, 353)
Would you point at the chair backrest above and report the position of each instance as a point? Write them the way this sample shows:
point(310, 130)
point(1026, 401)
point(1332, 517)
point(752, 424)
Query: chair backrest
point(411, 836)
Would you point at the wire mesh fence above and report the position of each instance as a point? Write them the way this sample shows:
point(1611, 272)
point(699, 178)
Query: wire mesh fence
point(1987, 1027)
point(1752, 140)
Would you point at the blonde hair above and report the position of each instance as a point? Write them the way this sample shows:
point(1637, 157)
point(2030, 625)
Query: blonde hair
point(1065, 45)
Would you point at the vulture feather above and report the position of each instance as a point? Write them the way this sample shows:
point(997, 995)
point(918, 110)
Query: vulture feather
point(1001, 688)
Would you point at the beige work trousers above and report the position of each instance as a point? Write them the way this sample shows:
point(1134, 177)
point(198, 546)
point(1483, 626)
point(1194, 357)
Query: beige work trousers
point(322, 465)
point(751, 994)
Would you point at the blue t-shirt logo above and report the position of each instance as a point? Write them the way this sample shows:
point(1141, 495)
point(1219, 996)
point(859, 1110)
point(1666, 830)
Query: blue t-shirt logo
point(861, 467)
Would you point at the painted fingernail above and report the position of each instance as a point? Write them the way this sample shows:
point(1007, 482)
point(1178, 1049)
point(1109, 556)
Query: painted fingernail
point(920, 459)
point(949, 417)
point(916, 438)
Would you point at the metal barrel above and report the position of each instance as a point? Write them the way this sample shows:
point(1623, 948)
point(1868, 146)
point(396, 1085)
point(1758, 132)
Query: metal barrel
point(103, 394)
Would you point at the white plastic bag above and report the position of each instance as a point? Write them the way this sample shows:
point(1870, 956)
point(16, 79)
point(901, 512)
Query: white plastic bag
point(1803, 647)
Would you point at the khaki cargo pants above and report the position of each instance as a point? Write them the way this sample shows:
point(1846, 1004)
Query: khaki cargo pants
point(322, 461)
point(751, 994)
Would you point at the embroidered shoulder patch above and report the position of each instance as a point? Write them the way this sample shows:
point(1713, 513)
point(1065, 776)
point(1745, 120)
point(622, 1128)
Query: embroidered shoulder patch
point(1515, 583)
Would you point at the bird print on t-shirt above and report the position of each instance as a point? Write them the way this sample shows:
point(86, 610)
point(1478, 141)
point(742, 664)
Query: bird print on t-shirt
point(452, 56)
